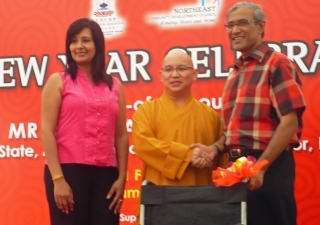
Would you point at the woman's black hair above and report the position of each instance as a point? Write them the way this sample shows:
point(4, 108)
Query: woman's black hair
point(98, 62)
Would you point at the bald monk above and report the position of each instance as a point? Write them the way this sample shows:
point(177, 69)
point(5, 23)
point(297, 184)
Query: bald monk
point(165, 128)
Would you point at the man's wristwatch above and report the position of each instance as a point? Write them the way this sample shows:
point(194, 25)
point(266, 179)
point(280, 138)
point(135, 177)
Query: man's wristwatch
point(217, 148)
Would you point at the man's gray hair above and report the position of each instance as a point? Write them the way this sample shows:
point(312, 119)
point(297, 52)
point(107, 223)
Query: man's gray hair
point(257, 9)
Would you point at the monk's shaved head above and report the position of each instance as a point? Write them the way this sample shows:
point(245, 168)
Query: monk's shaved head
point(177, 54)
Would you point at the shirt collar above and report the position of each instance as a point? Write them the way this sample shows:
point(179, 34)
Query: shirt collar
point(81, 73)
point(257, 54)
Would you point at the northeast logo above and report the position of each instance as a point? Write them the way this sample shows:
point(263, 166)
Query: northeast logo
point(210, 2)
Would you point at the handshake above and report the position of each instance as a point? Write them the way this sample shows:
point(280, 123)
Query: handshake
point(203, 155)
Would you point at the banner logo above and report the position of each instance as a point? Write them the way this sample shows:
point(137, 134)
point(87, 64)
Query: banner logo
point(104, 13)
point(209, 2)
point(104, 4)
point(205, 12)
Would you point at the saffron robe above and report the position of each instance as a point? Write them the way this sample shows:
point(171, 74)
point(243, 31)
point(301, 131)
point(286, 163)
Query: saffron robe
point(162, 133)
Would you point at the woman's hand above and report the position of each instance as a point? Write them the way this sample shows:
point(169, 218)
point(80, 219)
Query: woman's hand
point(117, 189)
point(63, 195)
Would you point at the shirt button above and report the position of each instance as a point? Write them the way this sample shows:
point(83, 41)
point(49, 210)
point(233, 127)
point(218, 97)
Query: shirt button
point(98, 114)
point(98, 100)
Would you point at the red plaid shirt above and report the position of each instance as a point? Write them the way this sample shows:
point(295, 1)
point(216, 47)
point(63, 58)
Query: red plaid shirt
point(261, 88)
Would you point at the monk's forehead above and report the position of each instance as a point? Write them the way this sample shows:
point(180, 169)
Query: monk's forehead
point(177, 57)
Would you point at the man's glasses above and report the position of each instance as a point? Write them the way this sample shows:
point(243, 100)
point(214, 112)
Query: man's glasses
point(179, 69)
point(240, 23)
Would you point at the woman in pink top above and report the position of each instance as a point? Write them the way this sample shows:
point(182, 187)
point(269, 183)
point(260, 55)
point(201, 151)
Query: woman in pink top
point(83, 125)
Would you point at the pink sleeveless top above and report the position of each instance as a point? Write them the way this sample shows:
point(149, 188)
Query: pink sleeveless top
point(85, 132)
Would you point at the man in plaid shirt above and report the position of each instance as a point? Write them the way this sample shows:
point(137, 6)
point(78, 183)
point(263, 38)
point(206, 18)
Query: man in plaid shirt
point(262, 108)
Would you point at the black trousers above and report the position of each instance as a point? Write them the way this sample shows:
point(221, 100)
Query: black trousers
point(90, 186)
point(274, 202)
